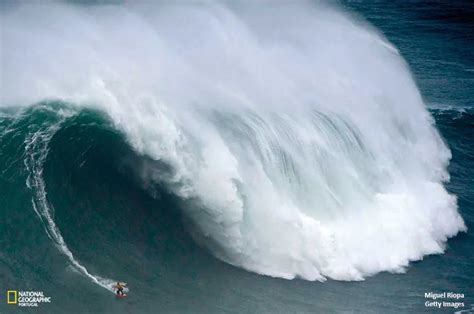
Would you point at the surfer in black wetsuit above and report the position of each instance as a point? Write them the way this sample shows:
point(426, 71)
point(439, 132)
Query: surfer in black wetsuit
point(119, 288)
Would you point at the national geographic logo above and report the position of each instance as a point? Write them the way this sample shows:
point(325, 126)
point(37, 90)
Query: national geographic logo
point(12, 297)
point(27, 298)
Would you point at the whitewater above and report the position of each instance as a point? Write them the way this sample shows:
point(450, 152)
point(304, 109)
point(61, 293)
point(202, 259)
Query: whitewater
point(293, 134)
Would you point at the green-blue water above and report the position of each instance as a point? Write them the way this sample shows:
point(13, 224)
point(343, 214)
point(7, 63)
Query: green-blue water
point(85, 168)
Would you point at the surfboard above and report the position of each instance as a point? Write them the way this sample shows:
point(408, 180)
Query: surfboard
point(121, 295)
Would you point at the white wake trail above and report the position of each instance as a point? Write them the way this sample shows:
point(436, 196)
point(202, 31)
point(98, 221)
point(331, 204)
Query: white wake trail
point(36, 152)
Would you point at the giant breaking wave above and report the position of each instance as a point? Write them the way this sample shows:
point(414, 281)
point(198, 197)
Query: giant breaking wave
point(294, 134)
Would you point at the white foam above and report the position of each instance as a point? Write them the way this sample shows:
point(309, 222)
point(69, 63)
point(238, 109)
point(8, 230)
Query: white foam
point(297, 138)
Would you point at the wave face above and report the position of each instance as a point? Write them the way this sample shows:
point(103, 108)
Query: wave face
point(36, 148)
point(294, 136)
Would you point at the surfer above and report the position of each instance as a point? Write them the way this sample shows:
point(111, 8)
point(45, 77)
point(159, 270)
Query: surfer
point(119, 288)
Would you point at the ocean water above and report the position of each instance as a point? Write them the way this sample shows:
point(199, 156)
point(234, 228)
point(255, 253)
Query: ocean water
point(303, 157)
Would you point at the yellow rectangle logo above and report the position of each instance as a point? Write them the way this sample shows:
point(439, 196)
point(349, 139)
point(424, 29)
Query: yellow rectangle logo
point(12, 296)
